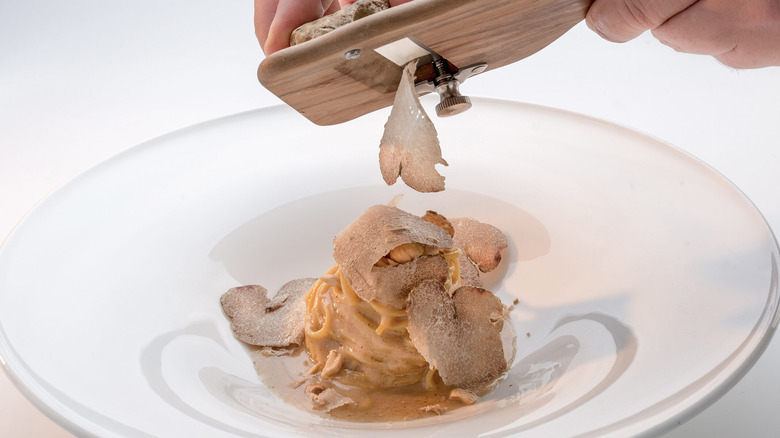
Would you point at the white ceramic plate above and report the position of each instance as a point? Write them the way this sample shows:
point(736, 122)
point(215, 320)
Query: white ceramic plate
point(647, 283)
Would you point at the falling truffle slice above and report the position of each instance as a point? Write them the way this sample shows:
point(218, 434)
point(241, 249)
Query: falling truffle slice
point(410, 145)
point(481, 242)
point(458, 336)
point(372, 236)
point(258, 320)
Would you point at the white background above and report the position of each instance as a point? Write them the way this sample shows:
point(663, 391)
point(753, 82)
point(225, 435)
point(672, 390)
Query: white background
point(83, 80)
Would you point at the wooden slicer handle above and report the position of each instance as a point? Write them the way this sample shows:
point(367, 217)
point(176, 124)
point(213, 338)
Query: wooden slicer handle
point(324, 80)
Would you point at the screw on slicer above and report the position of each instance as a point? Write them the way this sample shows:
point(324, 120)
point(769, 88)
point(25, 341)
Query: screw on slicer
point(447, 84)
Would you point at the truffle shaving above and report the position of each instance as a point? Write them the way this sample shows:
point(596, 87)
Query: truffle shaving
point(481, 242)
point(326, 399)
point(464, 396)
point(410, 145)
point(372, 236)
point(455, 334)
point(391, 285)
point(440, 221)
point(268, 322)
point(469, 273)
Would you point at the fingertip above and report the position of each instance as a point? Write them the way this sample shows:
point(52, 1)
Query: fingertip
point(594, 24)
point(739, 59)
point(604, 26)
point(275, 43)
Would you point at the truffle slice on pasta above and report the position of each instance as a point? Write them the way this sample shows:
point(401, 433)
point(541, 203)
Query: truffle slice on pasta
point(440, 221)
point(372, 236)
point(410, 145)
point(469, 273)
point(481, 242)
point(268, 322)
point(392, 284)
point(460, 336)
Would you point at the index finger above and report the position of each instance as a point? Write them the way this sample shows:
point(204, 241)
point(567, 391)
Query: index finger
point(265, 10)
point(624, 20)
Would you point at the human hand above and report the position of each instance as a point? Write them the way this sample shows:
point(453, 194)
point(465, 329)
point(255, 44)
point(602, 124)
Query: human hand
point(276, 19)
point(738, 33)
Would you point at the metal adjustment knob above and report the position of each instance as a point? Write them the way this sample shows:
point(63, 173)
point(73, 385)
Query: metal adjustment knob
point(452, 102)
point(446, 85)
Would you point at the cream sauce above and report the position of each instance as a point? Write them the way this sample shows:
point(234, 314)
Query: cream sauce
point(286, 376)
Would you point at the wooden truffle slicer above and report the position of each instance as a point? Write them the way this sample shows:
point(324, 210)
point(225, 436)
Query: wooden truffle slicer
point(356, 68)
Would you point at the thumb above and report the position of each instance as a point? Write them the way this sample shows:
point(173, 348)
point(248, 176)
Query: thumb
point(623, 20)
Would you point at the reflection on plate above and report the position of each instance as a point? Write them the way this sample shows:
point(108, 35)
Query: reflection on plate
point(646, 282)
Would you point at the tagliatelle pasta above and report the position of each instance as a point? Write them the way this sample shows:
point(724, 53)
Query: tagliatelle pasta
point(370, 336)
